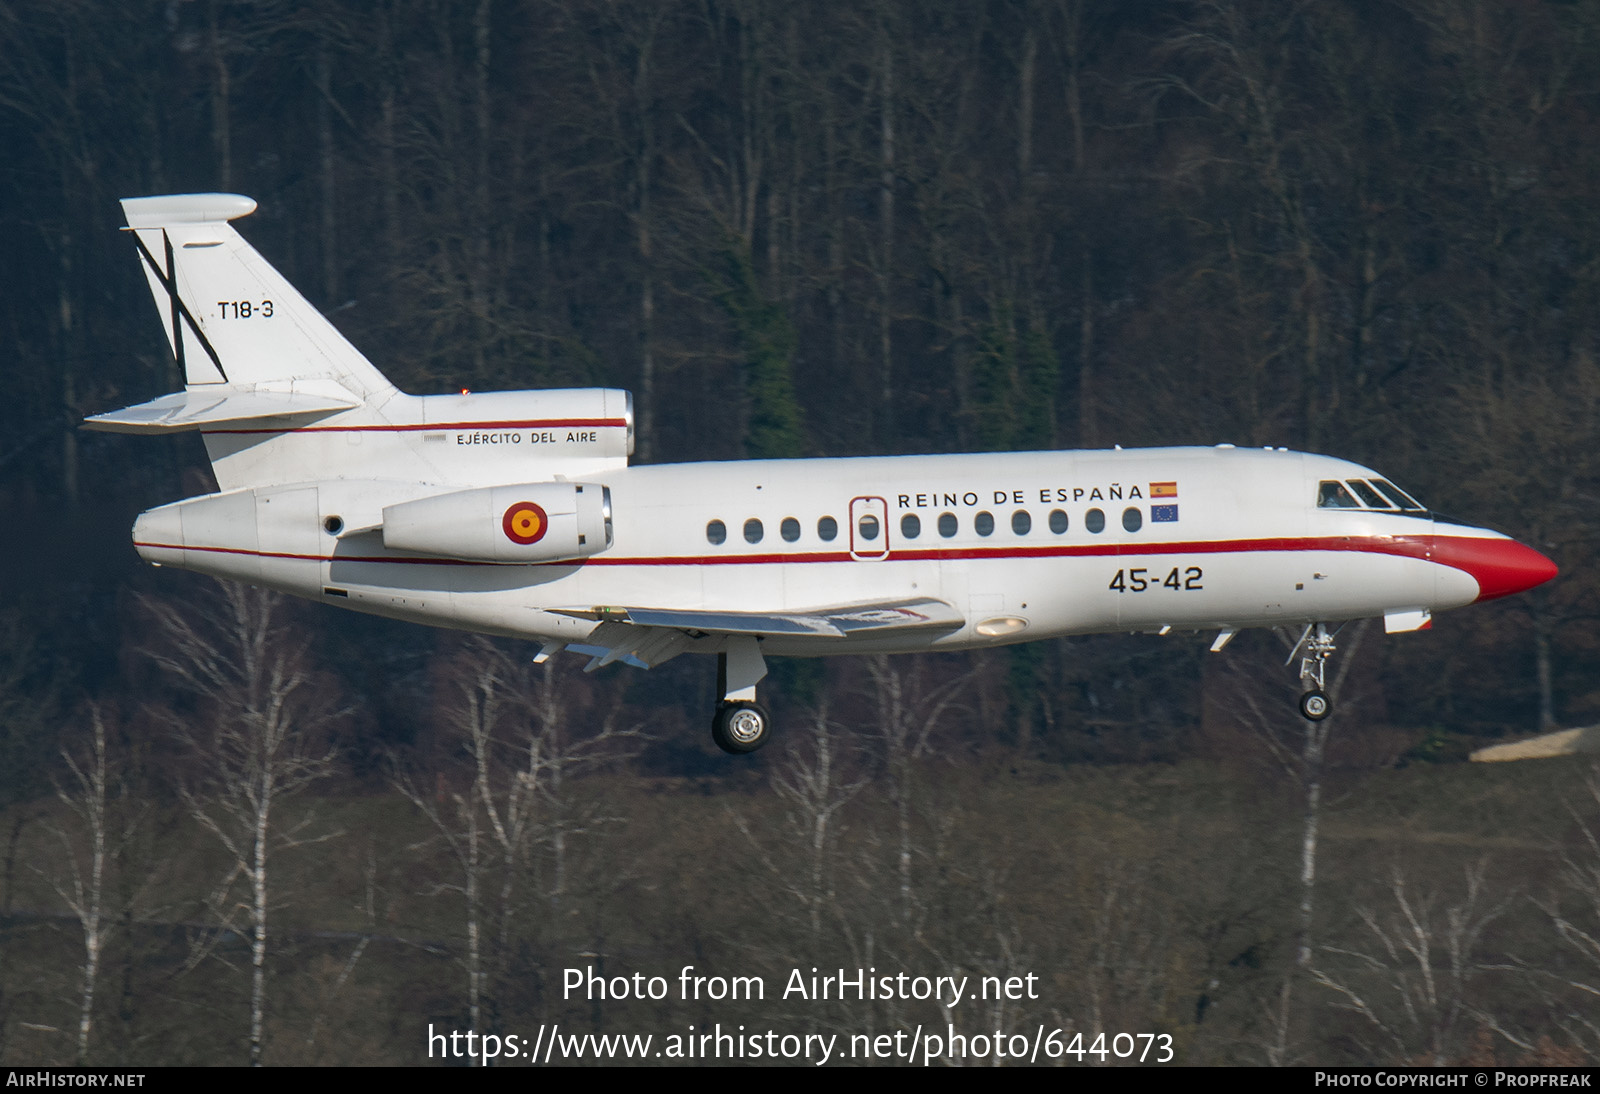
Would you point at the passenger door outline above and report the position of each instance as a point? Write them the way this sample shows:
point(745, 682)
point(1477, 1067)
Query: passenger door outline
point(861, 548)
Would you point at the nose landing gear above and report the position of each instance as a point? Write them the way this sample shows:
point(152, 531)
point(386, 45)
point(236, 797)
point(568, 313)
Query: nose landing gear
point(1314, 649)
point(1315, 705)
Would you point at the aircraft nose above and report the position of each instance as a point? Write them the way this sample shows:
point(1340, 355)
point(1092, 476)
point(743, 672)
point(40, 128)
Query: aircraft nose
point(1501, 567)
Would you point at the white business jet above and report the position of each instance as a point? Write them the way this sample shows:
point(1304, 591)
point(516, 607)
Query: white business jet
point(516, 513)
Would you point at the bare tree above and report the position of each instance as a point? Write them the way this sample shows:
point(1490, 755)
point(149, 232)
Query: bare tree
point(257, 748)
point(1574, 913)
point(1412, 982)
point(92, 843)
point(520, 755)
point(908, 714)
point(815, 785)
point(1301, 753)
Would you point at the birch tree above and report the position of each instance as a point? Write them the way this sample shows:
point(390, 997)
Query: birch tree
point(1301, 753)
point(815, 784)
point(512, 741)
point(99, 824)
point(1412, 981)
point(257, 743)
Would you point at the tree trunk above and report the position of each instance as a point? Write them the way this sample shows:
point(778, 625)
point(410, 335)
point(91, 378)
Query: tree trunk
point(480, 275)
point(887, 437)
point(644, 409)
point(1541, 653)
point(330, 245)
point(258, 935)
point(221, 139)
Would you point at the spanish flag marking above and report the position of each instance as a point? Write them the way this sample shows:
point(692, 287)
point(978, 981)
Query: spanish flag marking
point(525, 523)
point(1163, 490)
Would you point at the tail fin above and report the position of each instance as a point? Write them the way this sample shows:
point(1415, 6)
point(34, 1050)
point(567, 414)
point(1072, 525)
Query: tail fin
point(230, 317)
point(282, 398)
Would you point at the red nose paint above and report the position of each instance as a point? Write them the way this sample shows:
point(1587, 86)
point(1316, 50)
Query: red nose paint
point(1501, 567)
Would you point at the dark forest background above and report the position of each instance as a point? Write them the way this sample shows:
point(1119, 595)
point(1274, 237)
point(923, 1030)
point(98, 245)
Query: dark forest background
point(237, 830)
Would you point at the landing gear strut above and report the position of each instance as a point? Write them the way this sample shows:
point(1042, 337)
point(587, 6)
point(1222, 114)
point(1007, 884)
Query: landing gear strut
point(1314, 649)
point(740, 724)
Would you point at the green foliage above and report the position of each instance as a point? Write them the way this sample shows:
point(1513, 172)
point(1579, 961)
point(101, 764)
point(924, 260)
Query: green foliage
point(1439, 746)
point(767, 338)
point(800, 680)
point(1025, 674)
point(29, 709)
point(1016, 378)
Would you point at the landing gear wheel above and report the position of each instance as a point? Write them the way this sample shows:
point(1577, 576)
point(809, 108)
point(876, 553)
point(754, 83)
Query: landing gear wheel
point(1315, 705)
point(740, 727)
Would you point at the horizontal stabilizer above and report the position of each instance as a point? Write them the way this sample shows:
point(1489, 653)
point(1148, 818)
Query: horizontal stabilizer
point(838, 622)
point(185, 410)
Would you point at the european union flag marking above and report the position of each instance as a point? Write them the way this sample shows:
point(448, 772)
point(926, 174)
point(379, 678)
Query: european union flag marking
point(1159, 513)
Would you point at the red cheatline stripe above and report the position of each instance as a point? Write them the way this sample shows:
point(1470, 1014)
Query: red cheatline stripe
point(324, 558)
point(1410, 546)
point(1404, 546)
point(441, 427)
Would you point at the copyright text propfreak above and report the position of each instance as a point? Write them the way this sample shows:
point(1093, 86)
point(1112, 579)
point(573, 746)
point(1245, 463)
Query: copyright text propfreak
point(1479, 1077)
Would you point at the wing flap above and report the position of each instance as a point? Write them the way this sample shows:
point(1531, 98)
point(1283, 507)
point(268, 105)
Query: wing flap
point(200, 409)
point(641, 647)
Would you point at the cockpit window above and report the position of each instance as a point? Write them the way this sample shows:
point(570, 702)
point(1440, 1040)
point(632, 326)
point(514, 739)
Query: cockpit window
point(1401, 498)
point(1367, 494)
point(1331, 494)
point(1379, 494)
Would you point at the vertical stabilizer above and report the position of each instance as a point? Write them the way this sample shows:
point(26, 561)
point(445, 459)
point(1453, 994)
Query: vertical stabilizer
point(230, 317)
point(281, 398)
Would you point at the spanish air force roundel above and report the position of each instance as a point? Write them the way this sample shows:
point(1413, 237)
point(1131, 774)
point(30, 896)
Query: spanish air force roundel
point(525, 523)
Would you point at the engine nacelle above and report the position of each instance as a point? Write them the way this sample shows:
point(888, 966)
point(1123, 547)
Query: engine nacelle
point(531, 522)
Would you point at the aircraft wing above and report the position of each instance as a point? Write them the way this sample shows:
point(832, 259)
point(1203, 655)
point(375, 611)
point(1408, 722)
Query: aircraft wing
point(649, 636)
point(196, 409)
point(838, 622)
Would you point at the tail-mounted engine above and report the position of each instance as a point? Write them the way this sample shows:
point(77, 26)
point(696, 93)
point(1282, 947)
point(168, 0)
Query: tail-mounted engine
point(532, 522)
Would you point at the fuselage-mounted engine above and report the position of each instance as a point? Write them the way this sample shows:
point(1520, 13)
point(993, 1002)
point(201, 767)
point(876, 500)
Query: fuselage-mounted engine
point(528, 522)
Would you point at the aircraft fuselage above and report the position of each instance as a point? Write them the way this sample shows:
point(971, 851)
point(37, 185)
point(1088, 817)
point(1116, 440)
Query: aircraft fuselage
point(1024, 545)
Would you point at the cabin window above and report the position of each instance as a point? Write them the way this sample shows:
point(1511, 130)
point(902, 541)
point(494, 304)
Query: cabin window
point(1058, 521)
point(1021, 522)
point(789, 529)
point(910, 526)
point(983, 523)
point(1095, 521)
point(948, 525)
point(868, 527)
point(1331, 494)
point(1132, 519)
point(717, 533)
point(827, 529)
point(753, 531)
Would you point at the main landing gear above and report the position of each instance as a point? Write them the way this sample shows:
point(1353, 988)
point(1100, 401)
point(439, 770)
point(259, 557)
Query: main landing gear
point(740, 724)
point(740, 727)
point(1314, 649)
